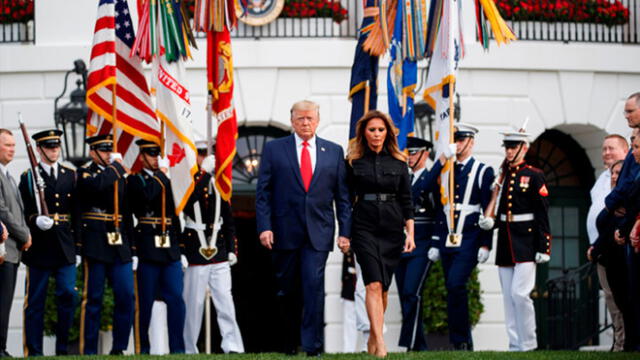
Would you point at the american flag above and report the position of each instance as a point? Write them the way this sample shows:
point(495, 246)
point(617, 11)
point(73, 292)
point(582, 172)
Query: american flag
point(111, 65)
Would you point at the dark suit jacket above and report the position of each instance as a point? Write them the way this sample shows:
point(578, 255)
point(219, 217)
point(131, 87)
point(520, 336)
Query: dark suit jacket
point(284, 207)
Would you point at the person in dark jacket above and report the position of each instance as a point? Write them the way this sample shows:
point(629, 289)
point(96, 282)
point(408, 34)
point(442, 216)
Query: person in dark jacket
point(380, 187)
point(105, 239)
point(156, 238)
point(210, 248)
point(53, 253)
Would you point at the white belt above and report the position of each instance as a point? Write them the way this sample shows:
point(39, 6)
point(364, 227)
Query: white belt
point(190, 224)
point(517, 218)
point(460, 207)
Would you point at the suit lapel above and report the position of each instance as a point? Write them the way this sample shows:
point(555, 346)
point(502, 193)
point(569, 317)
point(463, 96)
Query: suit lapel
point(292, 155)
point(321, 157)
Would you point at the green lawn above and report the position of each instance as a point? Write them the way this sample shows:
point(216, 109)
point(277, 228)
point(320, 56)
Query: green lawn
point(550, 355)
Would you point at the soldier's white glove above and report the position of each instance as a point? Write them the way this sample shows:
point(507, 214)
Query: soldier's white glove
point(114, 156)
point(3, 250)
point(486, 223)
point(78, 260)
point(433, 254)
point(542, 258)
point(184, 261)
point(44, 223)
point(208, 164)
point(134, 263)
point(483, 255)
point(233, 259)
point(163, 162)
point(450, 151)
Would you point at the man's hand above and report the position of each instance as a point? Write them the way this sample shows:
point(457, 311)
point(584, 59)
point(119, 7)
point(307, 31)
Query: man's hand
point(208, 164)
point(26, 245)
point(3, 252)
point(409, 244)
point(184, 261)
point(5, 233)
point(542, 258)
point(78, 260)
point(618, 238)
point(233, 258)
point(163, 164)
point(344, 244)
point(266, 239)
point(486, 223)
point(134, 263)
point(44, 223)
point(434, 254)
point(115, 157)
point(483, 254)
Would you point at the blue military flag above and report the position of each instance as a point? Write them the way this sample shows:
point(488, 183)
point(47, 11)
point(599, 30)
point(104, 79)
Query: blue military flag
point(364, 73)
point(401, 82)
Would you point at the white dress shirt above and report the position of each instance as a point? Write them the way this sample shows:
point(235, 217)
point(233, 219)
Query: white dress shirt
point(599, 192)
point(47, 168)
point(312, 150)
point(417, 174)
point(4, 170)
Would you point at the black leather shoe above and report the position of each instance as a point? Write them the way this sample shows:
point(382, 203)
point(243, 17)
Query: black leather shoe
point(315, 353)
point(463, 346)
point(5, 354)
point(116, 352)
point(62, 353)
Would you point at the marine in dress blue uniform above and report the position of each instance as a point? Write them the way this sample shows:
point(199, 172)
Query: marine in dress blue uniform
point(466, 244)
point(160, 270)
point(53, 253)
point(106, 246)
point(413, 268)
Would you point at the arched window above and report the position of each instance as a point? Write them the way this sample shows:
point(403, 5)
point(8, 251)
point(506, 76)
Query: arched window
point(251, 140)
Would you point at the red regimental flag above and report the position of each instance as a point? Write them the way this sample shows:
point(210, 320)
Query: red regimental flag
point(220, 76)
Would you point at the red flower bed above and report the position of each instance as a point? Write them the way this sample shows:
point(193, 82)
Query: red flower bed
point(16, 11)
point(314, 9)
point(608, 12)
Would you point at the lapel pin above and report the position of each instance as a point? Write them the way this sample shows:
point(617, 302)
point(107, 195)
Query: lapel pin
point(321, 149)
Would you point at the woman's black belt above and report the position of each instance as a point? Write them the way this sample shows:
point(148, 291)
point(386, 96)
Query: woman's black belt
point(379, 197)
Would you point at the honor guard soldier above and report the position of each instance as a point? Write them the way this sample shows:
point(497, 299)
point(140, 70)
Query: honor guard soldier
point(210, 247)
point(156, 237)
point(523, 239)
point(105, 231)
point(53, 253)
point(414, 266)
point(462, 244)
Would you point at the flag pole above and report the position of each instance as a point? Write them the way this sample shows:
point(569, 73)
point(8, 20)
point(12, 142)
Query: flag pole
point(451, 161)
point(209, 121)
point(367, 95)
point(116, 200)
point(164, 190)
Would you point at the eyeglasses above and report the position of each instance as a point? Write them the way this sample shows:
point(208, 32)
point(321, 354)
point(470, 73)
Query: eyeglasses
point(628, 112)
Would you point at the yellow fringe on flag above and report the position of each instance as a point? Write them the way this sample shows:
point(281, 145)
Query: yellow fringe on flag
point(378, 41)
point(499, 27)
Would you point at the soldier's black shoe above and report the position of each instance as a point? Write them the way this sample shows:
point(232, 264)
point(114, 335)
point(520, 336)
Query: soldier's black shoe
point(62, 353)
point(463, 346)
point(116, 352)
point(315, 353)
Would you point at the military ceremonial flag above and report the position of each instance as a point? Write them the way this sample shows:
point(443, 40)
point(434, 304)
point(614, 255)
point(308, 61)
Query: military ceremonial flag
point(363, 91)
point(220, 76)
point(440, 86)
point(401, 80)
point(111, 66)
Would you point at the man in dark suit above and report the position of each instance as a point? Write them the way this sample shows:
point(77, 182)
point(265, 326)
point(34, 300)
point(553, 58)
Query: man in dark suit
point(301, 178)
point(19, 237)
point(53, 253)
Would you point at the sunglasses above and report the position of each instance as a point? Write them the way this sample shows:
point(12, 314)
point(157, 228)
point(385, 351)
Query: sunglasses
point(50, 146)
point(152, 152)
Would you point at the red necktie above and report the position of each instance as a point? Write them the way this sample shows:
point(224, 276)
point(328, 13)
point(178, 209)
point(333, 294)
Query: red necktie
point(305, 166)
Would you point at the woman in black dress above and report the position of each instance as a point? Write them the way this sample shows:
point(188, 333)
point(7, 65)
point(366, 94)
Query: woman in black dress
point(381, 193)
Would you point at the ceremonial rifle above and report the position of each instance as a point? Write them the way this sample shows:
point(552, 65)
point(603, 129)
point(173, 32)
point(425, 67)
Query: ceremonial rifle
point(39, 181)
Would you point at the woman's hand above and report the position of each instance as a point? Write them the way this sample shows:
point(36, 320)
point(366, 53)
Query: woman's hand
point(618, 238)
point(409, 244)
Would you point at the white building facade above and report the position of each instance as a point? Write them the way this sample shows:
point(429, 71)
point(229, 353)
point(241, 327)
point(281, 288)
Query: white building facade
point(577, 88)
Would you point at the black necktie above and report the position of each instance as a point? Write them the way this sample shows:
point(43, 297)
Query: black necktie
point(53, 173)
point(459, 167)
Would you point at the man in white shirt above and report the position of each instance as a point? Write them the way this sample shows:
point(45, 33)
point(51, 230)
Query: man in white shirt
point(614, 148)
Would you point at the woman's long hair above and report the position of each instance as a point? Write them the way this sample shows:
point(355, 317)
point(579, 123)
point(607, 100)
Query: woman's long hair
point(358, 145)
